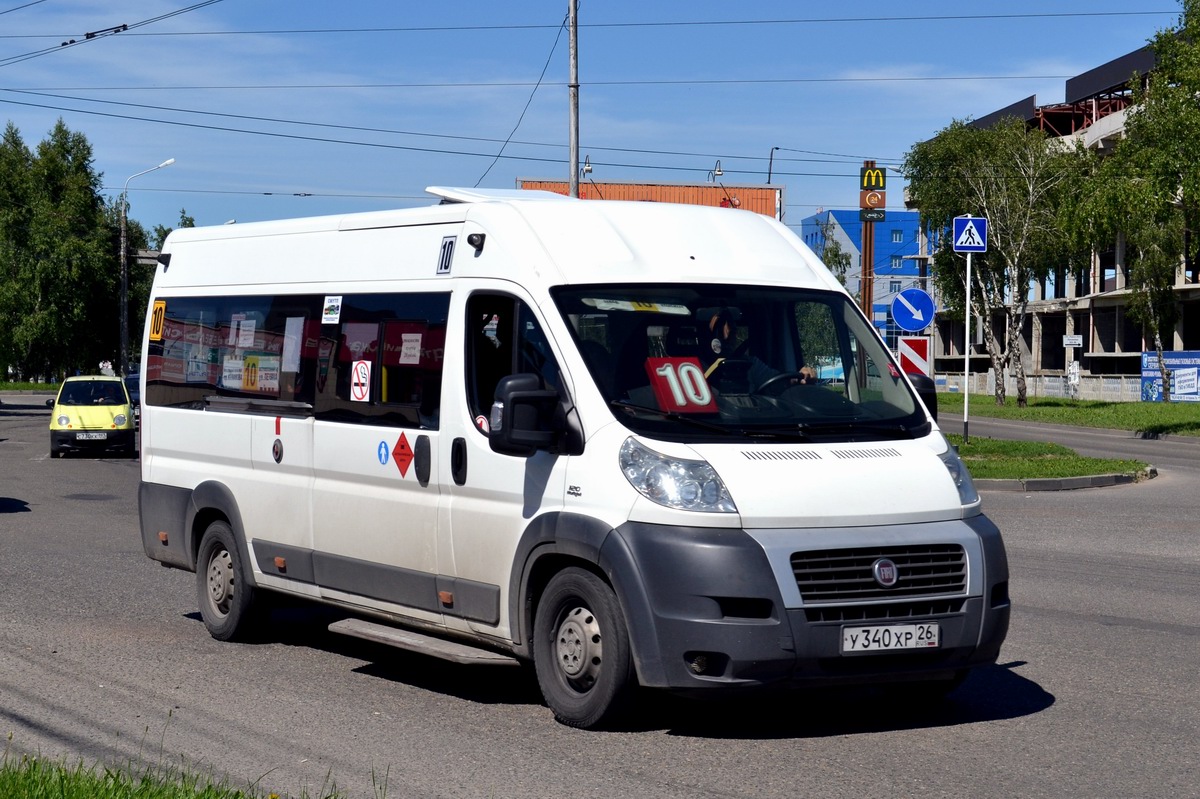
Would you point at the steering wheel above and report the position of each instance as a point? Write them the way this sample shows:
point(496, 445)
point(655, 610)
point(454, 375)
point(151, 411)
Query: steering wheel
point(779, 382)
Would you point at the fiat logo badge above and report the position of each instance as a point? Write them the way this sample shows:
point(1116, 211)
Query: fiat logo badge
point(886, 573)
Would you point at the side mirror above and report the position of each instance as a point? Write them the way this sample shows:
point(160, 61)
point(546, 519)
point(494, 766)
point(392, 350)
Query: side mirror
point(926, 390)
point(522, 418)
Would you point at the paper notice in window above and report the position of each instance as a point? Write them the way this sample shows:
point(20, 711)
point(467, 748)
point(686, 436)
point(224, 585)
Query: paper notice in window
point(410, 348)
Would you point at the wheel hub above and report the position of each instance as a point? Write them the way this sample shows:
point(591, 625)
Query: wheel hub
point(580, 647)
point(220, 581)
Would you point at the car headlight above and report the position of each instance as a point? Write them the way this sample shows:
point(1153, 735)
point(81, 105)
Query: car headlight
point(119, 420)
point(63, 420)
point(959, 474)
point(674, 482)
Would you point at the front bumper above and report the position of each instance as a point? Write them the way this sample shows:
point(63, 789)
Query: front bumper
point(121, 440)
point(711, 608)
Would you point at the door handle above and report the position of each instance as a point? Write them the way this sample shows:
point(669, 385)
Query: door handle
point(422, 460)
point(458, 461)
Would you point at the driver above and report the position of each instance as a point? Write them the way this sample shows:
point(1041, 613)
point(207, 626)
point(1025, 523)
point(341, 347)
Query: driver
point(722, 329)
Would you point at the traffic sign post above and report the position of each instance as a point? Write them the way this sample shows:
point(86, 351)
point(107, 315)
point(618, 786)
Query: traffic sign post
point(969, 236)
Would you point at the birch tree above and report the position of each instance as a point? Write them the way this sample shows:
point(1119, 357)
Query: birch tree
point(1016, 177)
point(1149, 189)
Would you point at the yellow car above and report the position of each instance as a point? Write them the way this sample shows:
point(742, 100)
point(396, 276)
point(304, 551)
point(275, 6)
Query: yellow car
point(91, 414)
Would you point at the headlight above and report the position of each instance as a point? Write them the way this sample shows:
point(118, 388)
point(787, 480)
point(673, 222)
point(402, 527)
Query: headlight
point(119, 420)
point(63, 420)
point(674, 482)
point(959, 474)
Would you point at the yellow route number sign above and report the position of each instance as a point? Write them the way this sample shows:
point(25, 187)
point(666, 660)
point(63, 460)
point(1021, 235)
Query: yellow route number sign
point(158, 320)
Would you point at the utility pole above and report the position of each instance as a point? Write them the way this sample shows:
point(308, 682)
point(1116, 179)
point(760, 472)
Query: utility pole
point(573, 25)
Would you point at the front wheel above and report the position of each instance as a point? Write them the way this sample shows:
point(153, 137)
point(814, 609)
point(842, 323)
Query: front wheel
point(226, 598)
point(581, 649)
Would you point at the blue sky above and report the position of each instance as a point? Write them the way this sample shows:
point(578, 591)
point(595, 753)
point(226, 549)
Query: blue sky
point(397, 96)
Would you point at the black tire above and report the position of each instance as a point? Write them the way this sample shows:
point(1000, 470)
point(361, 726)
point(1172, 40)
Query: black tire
point(581, 649)
point(226, 599)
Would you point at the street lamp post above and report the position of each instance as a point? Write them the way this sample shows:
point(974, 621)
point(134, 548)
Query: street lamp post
point(123, 356)
point(771, 164)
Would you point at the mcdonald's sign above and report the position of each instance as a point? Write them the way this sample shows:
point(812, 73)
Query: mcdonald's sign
point(872, 177)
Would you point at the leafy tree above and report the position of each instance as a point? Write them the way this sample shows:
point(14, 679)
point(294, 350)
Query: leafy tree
point(16, 210)
point(162, 231)
point(1016, 177)
point(831, 253)
point(58, 298)
point(1148, 190)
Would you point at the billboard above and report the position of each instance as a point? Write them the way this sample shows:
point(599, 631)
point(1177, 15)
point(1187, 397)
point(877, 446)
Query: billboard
point(1184, 367)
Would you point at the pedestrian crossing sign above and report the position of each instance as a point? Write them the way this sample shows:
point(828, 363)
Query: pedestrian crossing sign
point(970, 234)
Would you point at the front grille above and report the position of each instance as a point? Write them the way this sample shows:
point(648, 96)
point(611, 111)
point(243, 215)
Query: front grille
point(896, 611)
point(843, 575)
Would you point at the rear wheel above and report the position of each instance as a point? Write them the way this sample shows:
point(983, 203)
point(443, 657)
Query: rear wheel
point(226, 599)
point(581, 649)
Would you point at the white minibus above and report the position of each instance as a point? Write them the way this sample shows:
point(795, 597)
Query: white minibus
point(636, 444)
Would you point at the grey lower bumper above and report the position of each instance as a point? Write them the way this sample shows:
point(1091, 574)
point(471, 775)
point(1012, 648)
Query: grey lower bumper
point(707, 609)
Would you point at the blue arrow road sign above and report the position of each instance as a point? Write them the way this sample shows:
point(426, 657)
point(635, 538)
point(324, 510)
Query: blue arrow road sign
point(912, 310)
point(970, 234)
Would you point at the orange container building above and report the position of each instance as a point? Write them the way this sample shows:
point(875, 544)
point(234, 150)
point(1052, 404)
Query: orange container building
point(762, 199)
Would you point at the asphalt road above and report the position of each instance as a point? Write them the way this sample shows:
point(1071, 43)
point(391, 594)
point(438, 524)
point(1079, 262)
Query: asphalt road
point(103, 658)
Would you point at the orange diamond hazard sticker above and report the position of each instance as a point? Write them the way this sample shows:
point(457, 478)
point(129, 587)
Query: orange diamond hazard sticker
point(402, 454)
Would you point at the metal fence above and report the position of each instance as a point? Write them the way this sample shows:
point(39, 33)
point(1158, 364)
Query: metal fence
point(1108, 388)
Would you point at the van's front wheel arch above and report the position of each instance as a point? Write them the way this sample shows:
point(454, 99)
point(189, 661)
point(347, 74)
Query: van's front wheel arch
point(581, 649)
point(225, 597)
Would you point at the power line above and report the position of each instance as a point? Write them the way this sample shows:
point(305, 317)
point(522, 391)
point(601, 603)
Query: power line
point(525, 84)
point(92, 36)
point(18, 8)
point(675, 24)
point(513, 132)
point(389, 131)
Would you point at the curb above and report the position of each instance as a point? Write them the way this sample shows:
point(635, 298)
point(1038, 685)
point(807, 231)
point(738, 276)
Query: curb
point(1067, 483)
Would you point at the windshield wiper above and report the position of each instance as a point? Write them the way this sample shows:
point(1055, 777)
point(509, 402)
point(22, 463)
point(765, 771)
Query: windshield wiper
point(879, 431)
point(672, 416)
point(793, 431)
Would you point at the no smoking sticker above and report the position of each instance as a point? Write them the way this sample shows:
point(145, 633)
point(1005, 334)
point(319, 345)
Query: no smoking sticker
point(360, 381)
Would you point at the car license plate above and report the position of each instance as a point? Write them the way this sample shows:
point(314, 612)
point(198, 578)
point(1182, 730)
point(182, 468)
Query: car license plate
point(90, 436)
point(889, 637)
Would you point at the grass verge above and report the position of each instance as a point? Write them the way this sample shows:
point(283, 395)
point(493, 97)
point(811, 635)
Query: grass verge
point(1151, 419)
point(33, 777)
point(997, 459)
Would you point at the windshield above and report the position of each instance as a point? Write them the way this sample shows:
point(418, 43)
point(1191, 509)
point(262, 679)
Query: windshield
point(91, 392)
point(707, 362)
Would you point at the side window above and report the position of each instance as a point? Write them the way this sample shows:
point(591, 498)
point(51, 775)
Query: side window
point(371, 358)
point(381, 362)
point(817, 331)
point(504, 337)
point(247, 347)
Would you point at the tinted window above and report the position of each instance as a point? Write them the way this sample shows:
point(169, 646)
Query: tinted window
point(361, 358)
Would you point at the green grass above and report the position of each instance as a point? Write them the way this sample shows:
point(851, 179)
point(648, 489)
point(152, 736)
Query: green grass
point(1148, 418)
point(997, 459)
point(34, 777)
point(12, 386)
